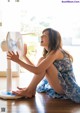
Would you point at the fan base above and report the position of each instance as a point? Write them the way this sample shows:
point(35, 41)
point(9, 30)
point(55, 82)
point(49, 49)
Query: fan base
point(8, 95)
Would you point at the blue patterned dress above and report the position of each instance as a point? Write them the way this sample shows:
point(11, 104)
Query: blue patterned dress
point(67, 81)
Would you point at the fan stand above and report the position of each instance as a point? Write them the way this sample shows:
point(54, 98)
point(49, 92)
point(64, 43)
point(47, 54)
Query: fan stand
point(7, 93)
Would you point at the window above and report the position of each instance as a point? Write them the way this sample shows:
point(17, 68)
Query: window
point(33, 46)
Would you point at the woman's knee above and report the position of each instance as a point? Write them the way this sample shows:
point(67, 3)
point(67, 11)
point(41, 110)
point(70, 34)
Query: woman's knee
point(40, 60)
point(51, 69)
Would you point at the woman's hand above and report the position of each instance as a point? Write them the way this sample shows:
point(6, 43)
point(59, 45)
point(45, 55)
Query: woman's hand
point(25, 50)
point(12, 56)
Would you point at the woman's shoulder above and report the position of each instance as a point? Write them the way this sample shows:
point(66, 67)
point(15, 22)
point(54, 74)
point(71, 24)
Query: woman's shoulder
point(61, 54)
point(64, 55)
point(58, 54)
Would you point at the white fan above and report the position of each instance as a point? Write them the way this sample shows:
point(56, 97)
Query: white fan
point(14, 43)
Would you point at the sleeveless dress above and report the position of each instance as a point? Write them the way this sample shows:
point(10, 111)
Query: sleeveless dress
point(67, 81)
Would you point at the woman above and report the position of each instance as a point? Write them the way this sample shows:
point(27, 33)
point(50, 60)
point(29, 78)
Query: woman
point(54, 70)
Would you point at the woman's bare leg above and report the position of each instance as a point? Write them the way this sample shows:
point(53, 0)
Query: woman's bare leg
point(52, 77)
point(31, 89)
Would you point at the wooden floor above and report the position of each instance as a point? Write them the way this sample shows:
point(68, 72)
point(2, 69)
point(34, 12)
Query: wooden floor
point(41, 103)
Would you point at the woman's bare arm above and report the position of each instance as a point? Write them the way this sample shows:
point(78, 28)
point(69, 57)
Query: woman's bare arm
point(44, 64)
point(25, 57)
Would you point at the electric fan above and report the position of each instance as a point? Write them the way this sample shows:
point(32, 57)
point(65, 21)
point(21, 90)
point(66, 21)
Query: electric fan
point(14, 43)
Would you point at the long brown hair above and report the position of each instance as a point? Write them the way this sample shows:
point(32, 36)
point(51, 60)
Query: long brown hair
point(55, 42)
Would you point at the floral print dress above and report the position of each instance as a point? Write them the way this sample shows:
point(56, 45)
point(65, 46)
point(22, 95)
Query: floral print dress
point(67, 81)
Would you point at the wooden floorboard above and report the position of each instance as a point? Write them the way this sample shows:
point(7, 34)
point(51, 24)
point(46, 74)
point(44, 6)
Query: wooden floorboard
point(41, 103)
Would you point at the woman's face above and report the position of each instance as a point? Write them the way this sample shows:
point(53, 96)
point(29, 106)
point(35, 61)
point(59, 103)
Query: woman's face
point(45, 40)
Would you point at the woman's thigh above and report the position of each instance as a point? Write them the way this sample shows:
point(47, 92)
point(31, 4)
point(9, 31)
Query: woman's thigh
point(52, 77)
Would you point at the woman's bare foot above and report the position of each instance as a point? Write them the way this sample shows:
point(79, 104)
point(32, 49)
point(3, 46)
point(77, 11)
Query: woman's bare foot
point(24, 92)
